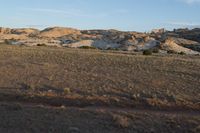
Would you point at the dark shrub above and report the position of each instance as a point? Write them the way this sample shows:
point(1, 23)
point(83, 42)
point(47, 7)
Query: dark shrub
point(155, 50)
point(41, 44)
point(182, 53)
point(171, 52)
point(147, 52)
point(112, 49)
point(87, 47)
point(6, 41)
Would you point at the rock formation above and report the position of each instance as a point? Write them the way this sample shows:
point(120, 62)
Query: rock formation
point(180, 40)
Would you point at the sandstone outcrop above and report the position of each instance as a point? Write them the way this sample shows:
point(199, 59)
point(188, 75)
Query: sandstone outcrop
point(181, 40)
point(54, 32)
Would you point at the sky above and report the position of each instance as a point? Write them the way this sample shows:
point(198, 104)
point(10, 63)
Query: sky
point(127, 15)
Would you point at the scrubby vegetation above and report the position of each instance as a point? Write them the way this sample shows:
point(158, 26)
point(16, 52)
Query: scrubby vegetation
point(171, 52)
point(67, 90)
point(6, 41)
point(87, 47)
point(41, 44)
point(147, 52)
point(113, 49)
point(182, 53)
point(155, 50)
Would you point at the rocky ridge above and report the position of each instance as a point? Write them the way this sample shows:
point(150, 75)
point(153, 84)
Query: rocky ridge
point(178, 41)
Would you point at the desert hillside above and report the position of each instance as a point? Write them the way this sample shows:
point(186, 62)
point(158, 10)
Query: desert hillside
point(100, 66)
point(55, 32)
point(183, 41)
point(102, 81)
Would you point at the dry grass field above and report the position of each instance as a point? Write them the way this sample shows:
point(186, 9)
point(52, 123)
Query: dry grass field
point(47, 89)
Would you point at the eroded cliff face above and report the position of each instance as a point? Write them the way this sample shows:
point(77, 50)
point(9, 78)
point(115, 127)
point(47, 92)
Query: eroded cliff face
point(193, 34)
point(186, 41)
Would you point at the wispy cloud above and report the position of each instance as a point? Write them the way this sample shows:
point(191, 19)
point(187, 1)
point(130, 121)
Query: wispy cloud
point(77, 13)
point(74, 13)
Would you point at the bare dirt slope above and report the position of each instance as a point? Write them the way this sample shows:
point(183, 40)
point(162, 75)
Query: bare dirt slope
point(46, 89)
point(58, 32)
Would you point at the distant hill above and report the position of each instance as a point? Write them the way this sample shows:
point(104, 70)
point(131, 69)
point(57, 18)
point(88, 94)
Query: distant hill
point(58, 32)
point(177, 41)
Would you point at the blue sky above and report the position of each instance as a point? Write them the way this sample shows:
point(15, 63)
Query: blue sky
point(132, 15)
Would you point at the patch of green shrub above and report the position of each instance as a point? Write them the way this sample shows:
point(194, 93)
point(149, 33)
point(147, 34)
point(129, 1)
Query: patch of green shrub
point(67, 90)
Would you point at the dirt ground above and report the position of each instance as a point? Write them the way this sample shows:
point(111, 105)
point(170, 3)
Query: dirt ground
point(59, 90)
